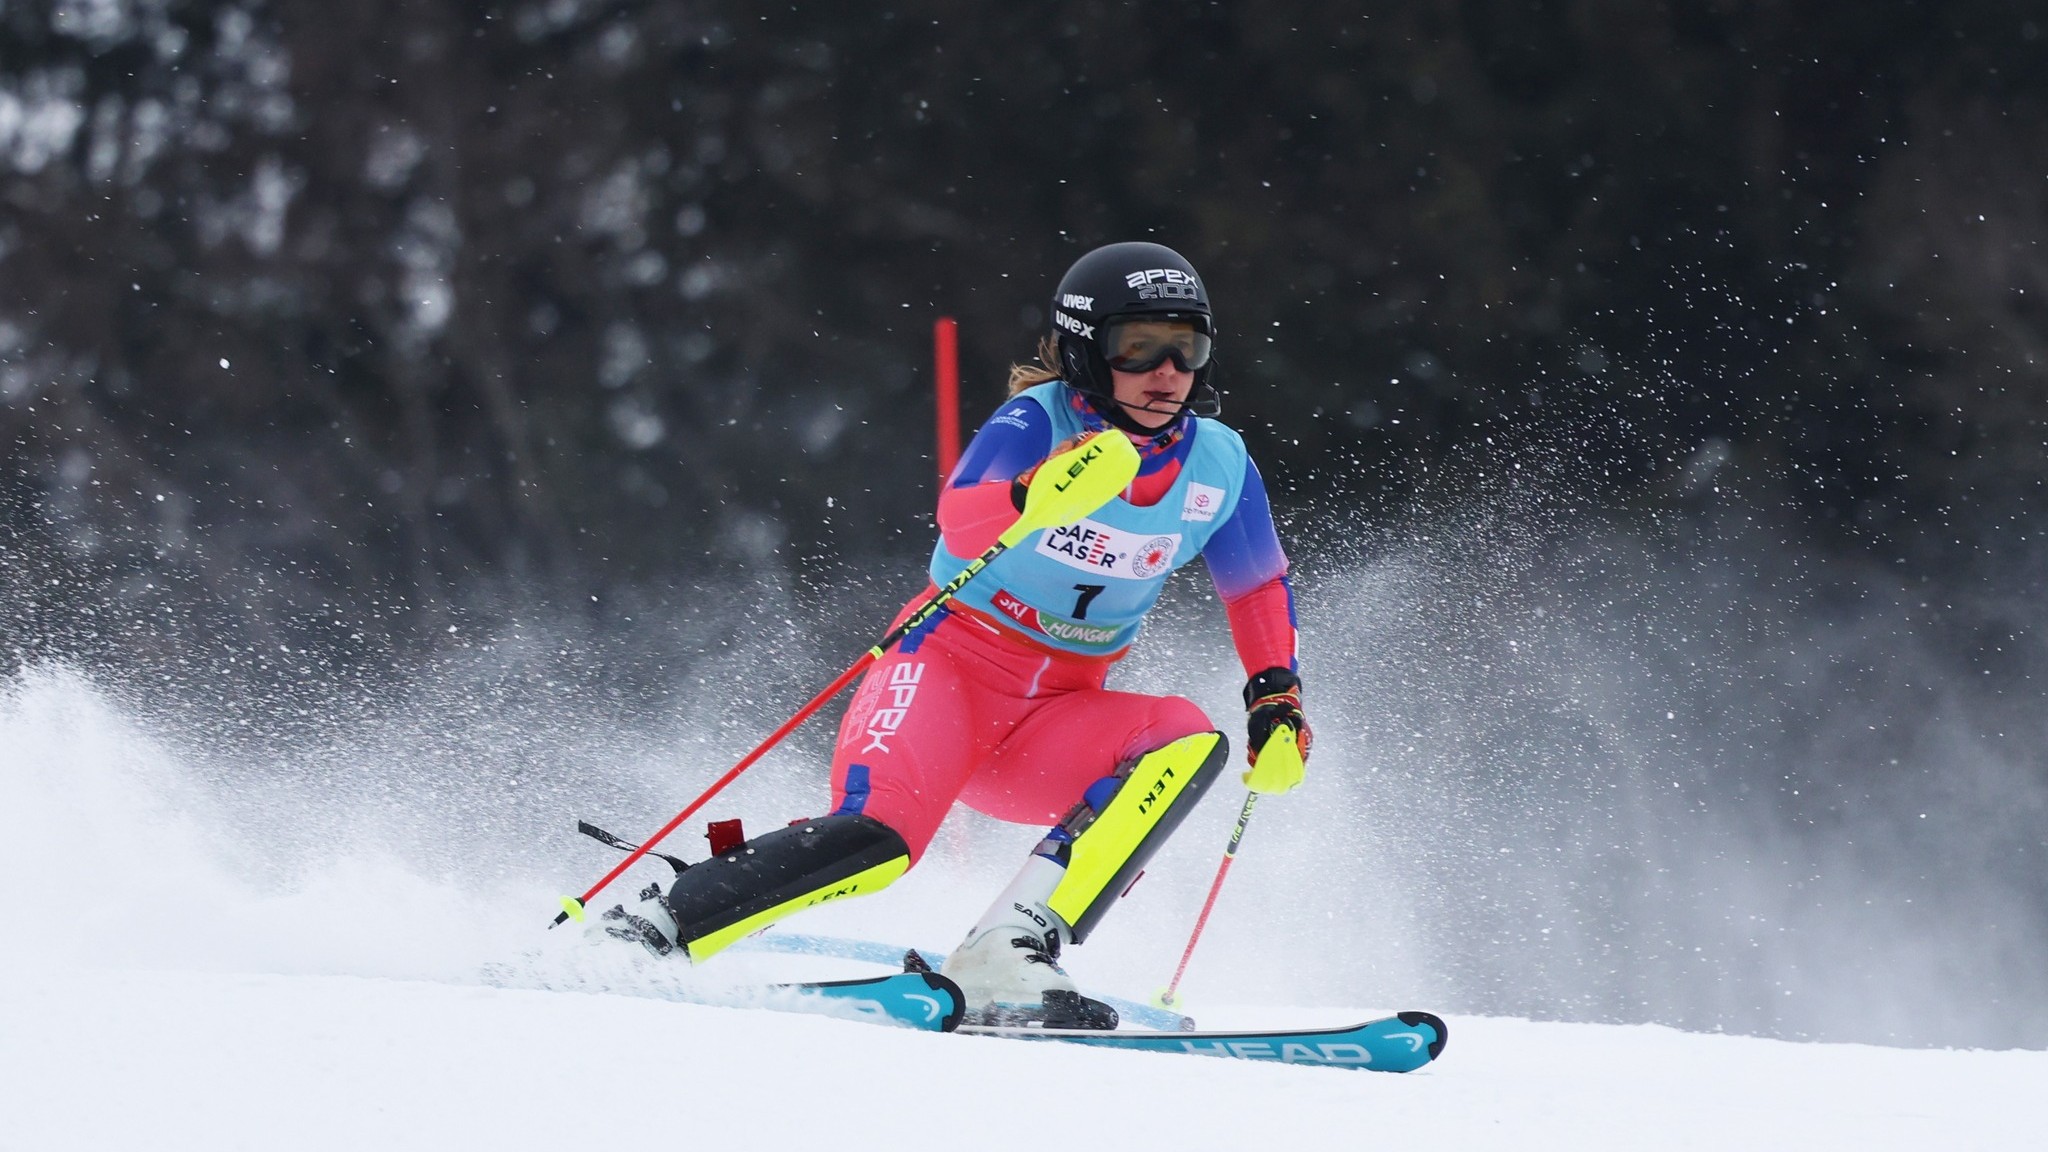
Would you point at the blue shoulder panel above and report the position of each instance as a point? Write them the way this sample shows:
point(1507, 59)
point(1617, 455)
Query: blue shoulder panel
point(1017, 436)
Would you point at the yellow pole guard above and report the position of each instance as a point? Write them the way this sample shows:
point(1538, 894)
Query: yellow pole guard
point(1070, 485)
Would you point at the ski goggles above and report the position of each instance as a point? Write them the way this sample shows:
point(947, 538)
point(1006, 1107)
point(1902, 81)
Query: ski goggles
point(1142, 343)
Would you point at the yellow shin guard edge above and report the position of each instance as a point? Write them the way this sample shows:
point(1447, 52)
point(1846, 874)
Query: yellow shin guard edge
point(861, 883)
point(1102, 849)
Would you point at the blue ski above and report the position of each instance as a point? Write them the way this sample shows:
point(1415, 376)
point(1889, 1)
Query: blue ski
point(802, 944)
point(1399, 1043)
point(922, 1000)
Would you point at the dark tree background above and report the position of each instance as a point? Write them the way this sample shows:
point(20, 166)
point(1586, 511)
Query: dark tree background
point(372, 303)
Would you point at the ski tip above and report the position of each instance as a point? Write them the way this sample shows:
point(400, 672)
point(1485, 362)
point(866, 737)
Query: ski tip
point(1432, 1022)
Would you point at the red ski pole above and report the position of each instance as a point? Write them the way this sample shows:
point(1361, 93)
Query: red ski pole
point(1283, 743)
point(1244, 817)
point(1067, 487)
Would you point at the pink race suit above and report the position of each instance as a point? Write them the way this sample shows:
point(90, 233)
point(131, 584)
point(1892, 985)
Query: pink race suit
point(960, 710)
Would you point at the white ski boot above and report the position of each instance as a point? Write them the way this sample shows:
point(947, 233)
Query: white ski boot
point(1008, 967)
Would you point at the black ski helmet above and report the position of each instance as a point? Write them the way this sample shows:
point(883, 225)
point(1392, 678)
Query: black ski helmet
point(1135, 278)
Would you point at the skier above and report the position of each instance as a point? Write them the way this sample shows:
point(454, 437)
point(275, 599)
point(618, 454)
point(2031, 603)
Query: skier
point(998, 700)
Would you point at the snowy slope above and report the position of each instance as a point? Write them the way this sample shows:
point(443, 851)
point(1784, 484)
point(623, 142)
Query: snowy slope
point(140, 1059)
point(166, 982)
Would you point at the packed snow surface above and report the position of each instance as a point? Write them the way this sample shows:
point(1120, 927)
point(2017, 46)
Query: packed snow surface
point(137, 1058)
point(167, 983)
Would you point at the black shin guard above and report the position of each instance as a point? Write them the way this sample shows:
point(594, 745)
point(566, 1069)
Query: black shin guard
point(732, 896)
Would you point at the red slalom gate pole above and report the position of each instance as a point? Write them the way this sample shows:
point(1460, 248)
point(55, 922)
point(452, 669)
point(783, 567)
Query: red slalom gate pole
point(1244, 817)
point(946, 374)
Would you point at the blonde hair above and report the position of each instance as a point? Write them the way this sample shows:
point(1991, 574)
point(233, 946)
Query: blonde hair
point(1024, 376)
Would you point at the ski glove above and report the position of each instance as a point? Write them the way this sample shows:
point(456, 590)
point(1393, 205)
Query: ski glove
point(1272, 699)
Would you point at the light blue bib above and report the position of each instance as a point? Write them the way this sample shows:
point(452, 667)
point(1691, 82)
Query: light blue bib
point(1087, 588)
